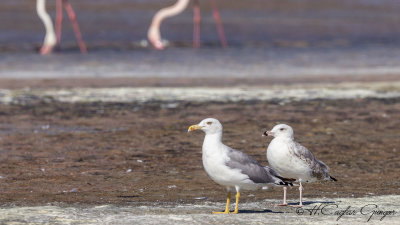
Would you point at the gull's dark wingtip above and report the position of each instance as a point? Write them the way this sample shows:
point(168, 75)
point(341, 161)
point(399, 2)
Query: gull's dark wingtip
point(284, 183)
point(332, 178)
point(288, 183)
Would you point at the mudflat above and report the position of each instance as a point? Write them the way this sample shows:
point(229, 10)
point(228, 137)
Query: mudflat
point(120, 153)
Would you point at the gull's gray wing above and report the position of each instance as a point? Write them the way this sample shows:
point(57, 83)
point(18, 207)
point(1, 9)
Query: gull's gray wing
point(250, 167)
point(318, 169)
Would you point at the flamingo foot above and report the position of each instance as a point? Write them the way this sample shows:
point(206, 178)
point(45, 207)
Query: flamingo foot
point(157, 44)
point(46, 49)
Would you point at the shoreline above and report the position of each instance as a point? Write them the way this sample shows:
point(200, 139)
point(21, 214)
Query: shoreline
point(277, 93)
point(375, 209)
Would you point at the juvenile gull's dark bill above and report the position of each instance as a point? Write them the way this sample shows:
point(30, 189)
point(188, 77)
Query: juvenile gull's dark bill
point(231, 168)
point(292, 160)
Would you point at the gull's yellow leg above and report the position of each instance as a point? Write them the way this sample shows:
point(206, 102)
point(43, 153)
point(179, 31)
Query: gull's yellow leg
point(228, 201)
point(237, 203)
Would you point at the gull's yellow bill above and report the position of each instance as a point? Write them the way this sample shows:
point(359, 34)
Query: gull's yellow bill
point(194, 127)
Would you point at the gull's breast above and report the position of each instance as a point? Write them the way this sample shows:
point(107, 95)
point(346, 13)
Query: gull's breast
point(283, 160)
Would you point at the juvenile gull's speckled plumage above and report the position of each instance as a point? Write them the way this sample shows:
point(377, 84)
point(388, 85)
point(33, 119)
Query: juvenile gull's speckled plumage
point(231, 168)
point(292, 160)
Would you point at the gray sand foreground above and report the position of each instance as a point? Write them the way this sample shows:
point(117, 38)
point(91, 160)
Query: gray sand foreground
point(372, 210)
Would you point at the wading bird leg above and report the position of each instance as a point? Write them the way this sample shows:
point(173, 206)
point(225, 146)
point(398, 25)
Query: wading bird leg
point(218, 22)
point(75, 26)
point(196, 24)
point(59, 20)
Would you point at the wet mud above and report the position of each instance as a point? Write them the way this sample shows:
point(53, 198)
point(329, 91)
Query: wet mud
point(103, 153)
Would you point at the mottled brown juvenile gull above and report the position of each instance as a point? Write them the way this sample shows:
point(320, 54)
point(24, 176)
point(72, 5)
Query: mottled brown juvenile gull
point(292, 160)
point(231, 168)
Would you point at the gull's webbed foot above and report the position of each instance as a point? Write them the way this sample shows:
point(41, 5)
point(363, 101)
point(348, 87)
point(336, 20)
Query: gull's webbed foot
point(224, 212)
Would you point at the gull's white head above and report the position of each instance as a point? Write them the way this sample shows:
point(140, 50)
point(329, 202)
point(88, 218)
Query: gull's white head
point(281, 130)
point(209, 126)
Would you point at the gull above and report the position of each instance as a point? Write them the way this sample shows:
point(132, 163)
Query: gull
point(292, 160)
point(231, 168)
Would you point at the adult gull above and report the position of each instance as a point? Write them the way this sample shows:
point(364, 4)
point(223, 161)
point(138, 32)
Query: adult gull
point(292, 160)
point(231, 168)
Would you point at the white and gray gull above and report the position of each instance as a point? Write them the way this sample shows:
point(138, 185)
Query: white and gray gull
point(231, 168)
point(292, 160)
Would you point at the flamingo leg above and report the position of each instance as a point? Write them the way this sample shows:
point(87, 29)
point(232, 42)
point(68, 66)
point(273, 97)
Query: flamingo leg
point(50, 38)
point(59, 19)
point(196, 24)
point(218, 22)
point(72, 17)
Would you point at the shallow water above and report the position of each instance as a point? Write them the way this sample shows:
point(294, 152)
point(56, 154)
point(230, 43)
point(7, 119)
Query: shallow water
point(242, 62)
point(106, 23)
point(276, 38)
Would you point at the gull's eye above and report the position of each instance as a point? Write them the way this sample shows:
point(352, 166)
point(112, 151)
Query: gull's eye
point(209, 123)
point(282, 129)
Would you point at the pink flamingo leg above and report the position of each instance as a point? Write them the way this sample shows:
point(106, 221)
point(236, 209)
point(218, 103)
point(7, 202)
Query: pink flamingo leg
point(59, 19)
point(196, 23)
point(220, 28)
point(72, 17)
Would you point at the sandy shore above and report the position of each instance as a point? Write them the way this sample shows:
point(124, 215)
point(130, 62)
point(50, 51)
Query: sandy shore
point(368, 210)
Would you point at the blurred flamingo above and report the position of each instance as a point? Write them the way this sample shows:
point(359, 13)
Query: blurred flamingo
point(154, 30)
point(53, 38)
